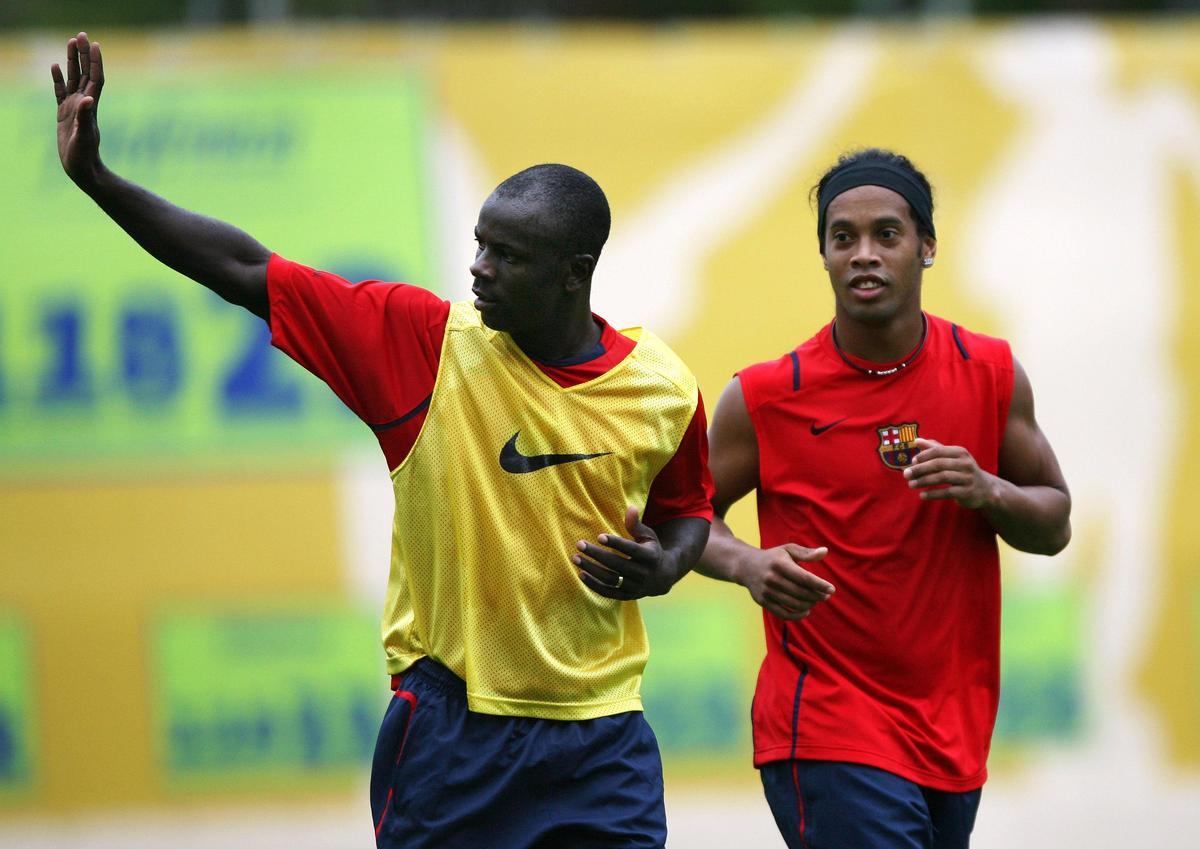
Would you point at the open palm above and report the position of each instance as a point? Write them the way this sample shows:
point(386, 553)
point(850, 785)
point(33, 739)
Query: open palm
point(78, 96)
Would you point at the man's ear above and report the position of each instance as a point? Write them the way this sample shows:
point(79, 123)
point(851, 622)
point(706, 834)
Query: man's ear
point(579, 271)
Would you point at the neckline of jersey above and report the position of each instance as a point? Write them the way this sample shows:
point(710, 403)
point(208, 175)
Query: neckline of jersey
point(634, 333)
point(870, 368)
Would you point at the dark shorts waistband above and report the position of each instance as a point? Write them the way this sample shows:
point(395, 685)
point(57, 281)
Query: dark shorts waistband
point(435, 675)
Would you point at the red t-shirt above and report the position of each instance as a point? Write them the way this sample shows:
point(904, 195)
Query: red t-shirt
point(378, 344)
point(900, 668)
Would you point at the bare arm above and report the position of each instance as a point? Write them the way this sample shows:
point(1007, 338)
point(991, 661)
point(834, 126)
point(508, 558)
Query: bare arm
point(733, 460)
point(214, 254)
point(1027, 502)
point(774, 578)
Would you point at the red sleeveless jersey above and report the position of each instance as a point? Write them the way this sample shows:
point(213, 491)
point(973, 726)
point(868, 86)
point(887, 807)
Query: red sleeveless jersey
point(900, 668)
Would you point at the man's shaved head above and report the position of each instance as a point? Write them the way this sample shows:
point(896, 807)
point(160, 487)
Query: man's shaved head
point(574, 203)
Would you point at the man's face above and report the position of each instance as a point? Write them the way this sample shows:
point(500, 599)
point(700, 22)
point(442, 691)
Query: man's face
point(519, 267)
point(873, 255)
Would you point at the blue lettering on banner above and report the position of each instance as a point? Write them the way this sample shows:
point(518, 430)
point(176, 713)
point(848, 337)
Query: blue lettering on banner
point(1039, 703)
point(8, 747)
point(238, 701)
point(151, 359)
point(306, 730)
point(66, 377)
point(247, 140)
point(253, 384)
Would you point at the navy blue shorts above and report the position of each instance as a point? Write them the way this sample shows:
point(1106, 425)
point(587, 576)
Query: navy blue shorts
point(835, 805)
point(448, 778)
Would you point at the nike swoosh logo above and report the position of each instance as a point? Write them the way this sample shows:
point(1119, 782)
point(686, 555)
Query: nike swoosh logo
point(512, 460)
point(817, 431)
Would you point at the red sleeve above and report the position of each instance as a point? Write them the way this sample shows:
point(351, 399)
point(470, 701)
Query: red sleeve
point(684, 487)
point(376, 344)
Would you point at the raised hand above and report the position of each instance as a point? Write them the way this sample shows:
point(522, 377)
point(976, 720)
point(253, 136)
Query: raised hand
point(778, 582)
point(78, 97)
point(942, 472)
point(626, 568)
point(215, 254)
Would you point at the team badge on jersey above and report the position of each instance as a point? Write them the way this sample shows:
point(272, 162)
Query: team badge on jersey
point(898, 444)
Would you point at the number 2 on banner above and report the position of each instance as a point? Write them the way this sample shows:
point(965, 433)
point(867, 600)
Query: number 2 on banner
point(252, 385)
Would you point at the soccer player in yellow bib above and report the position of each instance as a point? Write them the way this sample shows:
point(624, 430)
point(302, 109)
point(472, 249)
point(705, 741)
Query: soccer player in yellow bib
point(548, 471)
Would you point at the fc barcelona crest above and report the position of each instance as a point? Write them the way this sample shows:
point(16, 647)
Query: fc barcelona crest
point(898, 444)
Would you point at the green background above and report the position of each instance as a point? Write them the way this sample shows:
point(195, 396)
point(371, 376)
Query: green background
point(247, 695)
point(106, 355)
point(17, 705)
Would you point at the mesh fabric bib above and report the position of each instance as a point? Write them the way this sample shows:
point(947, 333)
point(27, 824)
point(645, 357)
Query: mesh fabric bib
point(509, 471)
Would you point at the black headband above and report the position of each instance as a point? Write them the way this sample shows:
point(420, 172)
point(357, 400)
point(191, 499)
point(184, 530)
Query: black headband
point(877, 173)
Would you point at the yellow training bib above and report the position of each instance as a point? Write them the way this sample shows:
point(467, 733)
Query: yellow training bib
point(509, 471)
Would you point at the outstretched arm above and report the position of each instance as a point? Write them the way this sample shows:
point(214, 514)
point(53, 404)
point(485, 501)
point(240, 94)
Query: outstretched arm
point(775, 578)
point(214, 254)
point(1027, 502)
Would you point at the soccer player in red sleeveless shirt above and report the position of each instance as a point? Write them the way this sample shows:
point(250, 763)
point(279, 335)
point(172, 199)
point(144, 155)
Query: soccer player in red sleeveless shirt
point(900, 445)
